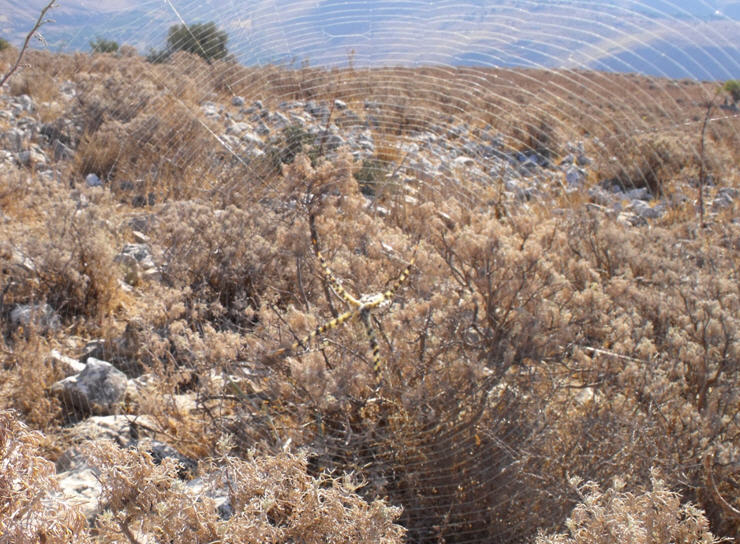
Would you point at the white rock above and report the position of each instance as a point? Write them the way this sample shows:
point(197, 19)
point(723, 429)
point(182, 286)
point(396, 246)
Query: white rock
point(32, 157)
point(72, 366)
point(251, 139)
point(40, 315)
point(92, 180)
point(644, 210)
point(13, 139)
point(25, 102)
point(97, 389)
point(82, 489)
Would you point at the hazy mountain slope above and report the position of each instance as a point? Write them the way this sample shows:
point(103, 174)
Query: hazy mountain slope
point(676, 39)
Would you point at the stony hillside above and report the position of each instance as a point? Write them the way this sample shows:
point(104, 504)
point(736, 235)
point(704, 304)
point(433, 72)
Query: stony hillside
point(522, 285)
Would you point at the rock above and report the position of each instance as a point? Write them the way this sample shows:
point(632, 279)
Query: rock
point(97, 389)
point(297, 119)
point(251, 139)
point(137, 262)
point(296, 104)
point(231, 141)
point(62, 151)
point(210, 110)
point(25, 103)
point(278, 120)
point(68, 90)
point(258, 104)
point(631, 219)
point(92, 180)
point(575, 177)
point(262, 129)
point(334, 141)
point(462, 162)
point(76, 478)
point(161, 451)
point(140, 252)
point(6, 159)
point(318, 111)
point(340, 104)
point(601, 197)
point(641, 193)
point(198, 488)
point(724, 198)
point(41, 316)
point(81, 488)
point(237, 101)
point(456, 131)
point(121, 429)
point(583, 160)
point(140, 237)
point(644, 210)
point(237, 128)
point(33, 157)
point(13, 140)
point(71, 366)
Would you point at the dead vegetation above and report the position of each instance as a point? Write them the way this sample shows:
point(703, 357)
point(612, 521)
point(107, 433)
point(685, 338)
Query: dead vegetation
point(528, 346)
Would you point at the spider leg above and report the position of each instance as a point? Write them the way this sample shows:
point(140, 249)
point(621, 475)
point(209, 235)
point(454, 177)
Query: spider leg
point(375, 348)
point(349, 299)
point(388, 294)
point(303, 342)
point(328, 275)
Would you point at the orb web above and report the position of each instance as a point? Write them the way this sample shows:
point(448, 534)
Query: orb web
point(537, 159)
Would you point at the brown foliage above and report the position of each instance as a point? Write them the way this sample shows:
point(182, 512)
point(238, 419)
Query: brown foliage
point(614, 516)
point(273, 499)
point(31, 509)
point(528, 344)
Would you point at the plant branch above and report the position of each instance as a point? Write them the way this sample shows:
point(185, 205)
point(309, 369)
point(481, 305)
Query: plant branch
point(39, 22)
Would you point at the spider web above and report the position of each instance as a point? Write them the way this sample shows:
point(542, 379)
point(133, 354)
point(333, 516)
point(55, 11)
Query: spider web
point(453, 129)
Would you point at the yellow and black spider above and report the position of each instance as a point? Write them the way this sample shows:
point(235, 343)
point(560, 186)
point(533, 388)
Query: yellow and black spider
point(360, 308)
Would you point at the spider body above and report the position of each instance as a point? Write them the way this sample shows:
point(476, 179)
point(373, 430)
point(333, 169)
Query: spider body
point(361, 309)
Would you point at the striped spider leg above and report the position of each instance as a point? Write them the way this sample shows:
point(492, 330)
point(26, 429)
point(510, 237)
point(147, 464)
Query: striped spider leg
point(361, 310)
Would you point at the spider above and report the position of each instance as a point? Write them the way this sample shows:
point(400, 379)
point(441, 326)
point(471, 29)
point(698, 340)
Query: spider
point(360, 308)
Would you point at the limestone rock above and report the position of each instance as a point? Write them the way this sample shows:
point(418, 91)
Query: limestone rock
point(97, 389)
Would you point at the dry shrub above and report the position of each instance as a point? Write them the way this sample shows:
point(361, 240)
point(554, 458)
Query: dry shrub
point(538, 135)
point(143, 499)
point(518, 353)
point(646, 161)
point(273, 499)
point(616, 516)
point(75, 268)
point(31, 510)
point(25, 378)
point(132, 155)
point(218, 256)
point(68, 263)
point(523, 348)
point(128, 88)
point(440, 440)
point(276, 500)
point(36, 83)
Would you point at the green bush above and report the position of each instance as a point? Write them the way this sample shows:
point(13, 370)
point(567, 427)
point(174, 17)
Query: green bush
point(372, 174)
point(4, 44)
point(202, 39)
point(732, 86)
point(101, 45)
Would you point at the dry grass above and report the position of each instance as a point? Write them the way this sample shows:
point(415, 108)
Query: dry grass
point(529, 344)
